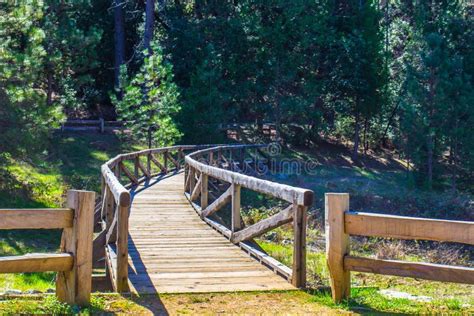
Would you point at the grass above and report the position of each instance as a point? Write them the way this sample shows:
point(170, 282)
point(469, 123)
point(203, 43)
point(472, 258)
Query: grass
point(73, 161)
point(365, 294)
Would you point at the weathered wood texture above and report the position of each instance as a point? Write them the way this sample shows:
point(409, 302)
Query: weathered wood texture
point(428, 271)
point(75, 286)
point(74, 263)
point(341, 223)
point(172, 250)
point(381, 225)
point(337, 244)
point(36, 218)
point(41, 262)
point(264, 226)
point(281, 191)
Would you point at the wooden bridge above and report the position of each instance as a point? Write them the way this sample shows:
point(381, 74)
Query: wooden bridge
point(170, 222)
point(162, 232)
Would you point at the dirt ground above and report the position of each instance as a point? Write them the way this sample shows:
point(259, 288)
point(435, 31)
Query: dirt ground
point(284, 303)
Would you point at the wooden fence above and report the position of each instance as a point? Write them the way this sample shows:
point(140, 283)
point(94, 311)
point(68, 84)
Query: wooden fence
point(342, 223)
point(214, 168)
point(74, 262)
point(99, 125)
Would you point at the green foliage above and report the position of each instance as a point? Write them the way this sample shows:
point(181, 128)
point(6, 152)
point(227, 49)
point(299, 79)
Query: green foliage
point(46, 54)
point(149, 102)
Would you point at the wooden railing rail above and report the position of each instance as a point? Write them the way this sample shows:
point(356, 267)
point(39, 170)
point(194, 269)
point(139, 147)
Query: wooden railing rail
point(342, 223)
point(74, 263)
point(226, 164)
point(133, 168)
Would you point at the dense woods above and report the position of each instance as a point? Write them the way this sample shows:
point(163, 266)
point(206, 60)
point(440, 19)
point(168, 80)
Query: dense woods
point(379, 74)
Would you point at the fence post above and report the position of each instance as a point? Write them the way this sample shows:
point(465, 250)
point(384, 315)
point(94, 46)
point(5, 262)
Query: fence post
point(101, 125)
point(148, 164)
point(122, 248)
point(298, 278)
point(337, 244)
point(192, 179)
point(74, 287)
point(236, 223)
point(204, 190)
point(135, 167)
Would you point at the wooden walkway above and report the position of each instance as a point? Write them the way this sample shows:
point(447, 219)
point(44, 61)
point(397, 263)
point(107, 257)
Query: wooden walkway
point(171, 250)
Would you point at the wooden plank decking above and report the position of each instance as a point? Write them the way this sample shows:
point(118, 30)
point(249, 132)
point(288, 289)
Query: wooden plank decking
point(171, 250)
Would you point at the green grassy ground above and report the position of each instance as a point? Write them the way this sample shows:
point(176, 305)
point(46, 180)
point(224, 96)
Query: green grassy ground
point(72, 161)
point(365, 294)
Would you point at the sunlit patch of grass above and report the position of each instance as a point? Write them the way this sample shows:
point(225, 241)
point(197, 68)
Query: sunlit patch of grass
point(369, 300)
point(49, 304)
point(365, 294)
point(45, 187)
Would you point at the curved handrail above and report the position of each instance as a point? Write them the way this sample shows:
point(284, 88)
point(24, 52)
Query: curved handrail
point(282, 191)
point(299, 198)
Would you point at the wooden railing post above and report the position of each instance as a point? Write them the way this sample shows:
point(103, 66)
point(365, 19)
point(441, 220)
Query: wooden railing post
point(165, 161)
point(122, 248)
point(136, 168)
point(236, 222)
point(211, 158)
point(298, 278)
point(148, 164)
point(337, 244)
point(101, 125)
point(204, 191)
point(192, 179)
point(74, 287)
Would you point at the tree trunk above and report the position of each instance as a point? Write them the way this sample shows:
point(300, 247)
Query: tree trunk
point(119, 38)
point(429, 144)
point(356, 138)
point(149, 24)
point(366, 143)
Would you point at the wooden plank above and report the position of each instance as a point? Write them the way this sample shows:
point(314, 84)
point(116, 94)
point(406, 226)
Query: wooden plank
point(83, 204)
point(264, 225)
point(196, 189)
point(299, 246)
point(210, 288)
point(36, 218)
point(204, 191)
point(235, 208)
point(41, 262)
point(98, 249)
point(428, 271)
point(74, 287)
point(275, 265)
point(337, 244)
point(111, 235)
point(402, 227)
point(122, 249)
point(218, 203)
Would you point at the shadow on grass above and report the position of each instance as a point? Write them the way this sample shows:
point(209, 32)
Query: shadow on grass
point(152, 303)
point(323, 296)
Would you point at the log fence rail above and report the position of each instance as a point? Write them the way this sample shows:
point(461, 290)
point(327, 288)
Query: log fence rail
point(74, 263)
point(341, 223)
